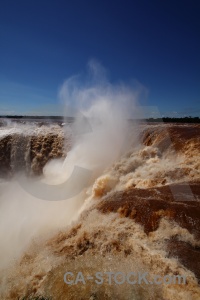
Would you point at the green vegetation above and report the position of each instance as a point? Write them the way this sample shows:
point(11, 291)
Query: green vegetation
point(175, 120)
point(36, 117)
point(71, 119)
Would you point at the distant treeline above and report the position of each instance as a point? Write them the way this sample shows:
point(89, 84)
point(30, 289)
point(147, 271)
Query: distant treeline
point(32, 117)
point(57, 118)
point(175, 120)
point(70, 119)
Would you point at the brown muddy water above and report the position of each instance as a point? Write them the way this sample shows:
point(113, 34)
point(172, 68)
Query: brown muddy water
point(138, 213)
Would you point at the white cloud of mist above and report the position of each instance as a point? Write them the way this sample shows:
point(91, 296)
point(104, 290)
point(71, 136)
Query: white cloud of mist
point(102, 110)
point(105, 109)
point(81, 92)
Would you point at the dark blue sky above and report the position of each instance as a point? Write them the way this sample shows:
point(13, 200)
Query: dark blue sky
point(155, 42)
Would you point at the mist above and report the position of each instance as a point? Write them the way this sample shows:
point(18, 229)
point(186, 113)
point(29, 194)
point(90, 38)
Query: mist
point(100, 135)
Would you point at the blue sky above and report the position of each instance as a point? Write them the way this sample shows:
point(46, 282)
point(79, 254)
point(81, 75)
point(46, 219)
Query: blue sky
point(154, 42)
